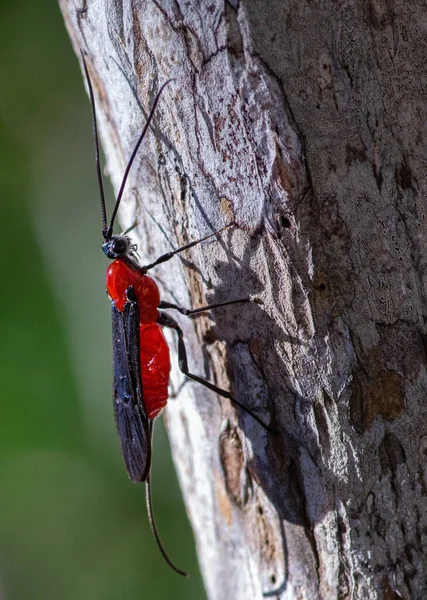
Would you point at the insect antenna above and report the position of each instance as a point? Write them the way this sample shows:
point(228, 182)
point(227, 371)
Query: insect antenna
point(154, 529)
point(106, 232)
point(135, 150)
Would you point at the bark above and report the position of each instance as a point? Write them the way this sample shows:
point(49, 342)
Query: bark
point(305, 123)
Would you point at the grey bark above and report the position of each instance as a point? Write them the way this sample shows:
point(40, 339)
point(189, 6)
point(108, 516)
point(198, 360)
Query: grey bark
point(305, 123)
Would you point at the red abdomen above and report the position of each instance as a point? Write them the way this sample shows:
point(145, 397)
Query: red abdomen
point(154, 351)
point(155, 368)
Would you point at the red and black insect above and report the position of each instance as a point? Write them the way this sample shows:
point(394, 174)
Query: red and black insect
point(141, 354)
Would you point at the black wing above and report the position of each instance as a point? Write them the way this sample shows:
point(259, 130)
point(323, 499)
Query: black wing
point(133, 427)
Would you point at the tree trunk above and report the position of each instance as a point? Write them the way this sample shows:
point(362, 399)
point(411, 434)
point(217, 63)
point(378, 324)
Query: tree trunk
point(304, 122)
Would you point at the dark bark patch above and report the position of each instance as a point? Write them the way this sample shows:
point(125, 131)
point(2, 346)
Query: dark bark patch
point(378, 174)
point(285, 173)
point(284, 222)
point(388, 592)
point(378, 391)
point(391, 453)
point(321, 294)
point(354, 154)
point(402, 348)
point(403, 177)
point(234, 37)
point(238, 481)
point(209, 336)
point(267, 537)
point(385, 395)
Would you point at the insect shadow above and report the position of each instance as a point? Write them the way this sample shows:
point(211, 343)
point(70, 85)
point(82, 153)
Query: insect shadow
point(247, 331)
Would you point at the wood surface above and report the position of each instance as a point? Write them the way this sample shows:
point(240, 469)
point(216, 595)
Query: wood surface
point(304, 122)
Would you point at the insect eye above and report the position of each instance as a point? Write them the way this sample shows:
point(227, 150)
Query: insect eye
point(121, 246)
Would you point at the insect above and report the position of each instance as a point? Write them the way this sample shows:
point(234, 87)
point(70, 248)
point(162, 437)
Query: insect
point(140, 351)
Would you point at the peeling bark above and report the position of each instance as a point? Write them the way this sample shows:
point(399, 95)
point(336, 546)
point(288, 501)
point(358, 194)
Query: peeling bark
point(305, 123)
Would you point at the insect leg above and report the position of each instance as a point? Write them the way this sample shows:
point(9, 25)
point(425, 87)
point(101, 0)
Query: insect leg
point(188, 311)
point(167, 321)
point(169, 255)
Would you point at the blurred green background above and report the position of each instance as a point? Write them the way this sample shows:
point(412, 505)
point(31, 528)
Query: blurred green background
point(72, 526)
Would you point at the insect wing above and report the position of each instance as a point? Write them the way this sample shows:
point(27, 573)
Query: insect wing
point(131, 420)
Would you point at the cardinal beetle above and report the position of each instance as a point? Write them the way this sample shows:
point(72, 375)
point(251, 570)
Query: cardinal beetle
point(140, 352)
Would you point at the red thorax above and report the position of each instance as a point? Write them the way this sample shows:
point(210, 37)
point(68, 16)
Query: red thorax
point(154, 351)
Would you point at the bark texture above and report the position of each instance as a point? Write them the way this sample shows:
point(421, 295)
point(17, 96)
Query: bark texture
point(304, 121)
